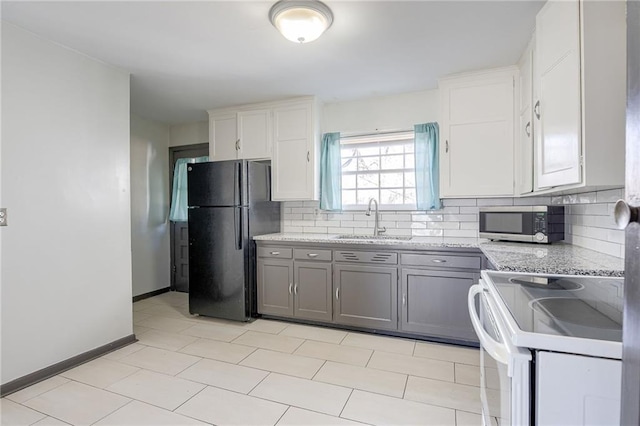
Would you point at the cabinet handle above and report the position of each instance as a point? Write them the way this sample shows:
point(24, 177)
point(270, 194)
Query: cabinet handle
point(275, 253)
point(238, 145)
point(312, 255)
point(536, 110)
point(295, 289)
point(338, 293)
point(308, 156)
point(404, 300)
point(290, 287)
point(438, 261)
point(527, 129)
point(446, 146)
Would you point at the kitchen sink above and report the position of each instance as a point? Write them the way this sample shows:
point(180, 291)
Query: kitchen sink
point(371, 237)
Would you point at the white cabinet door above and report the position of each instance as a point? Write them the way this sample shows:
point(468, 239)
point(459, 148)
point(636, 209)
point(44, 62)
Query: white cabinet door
point(254, 134)
point(558, 108)
point(223, 137)
point(577, 390)
point(477, 140)
point(524, 138)
point(293, 152)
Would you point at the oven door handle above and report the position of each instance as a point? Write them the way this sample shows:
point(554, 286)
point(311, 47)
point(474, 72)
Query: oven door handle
point(497, 350)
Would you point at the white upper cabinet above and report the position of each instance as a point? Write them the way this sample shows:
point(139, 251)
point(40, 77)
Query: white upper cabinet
point(525, 128)
point(557, 107)
point(254, 134)
point(223, 137)
point(579, 101)
point(295, 151)
point(477, 134)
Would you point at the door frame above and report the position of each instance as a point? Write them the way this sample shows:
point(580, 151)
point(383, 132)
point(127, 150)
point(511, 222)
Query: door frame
point(176, 152)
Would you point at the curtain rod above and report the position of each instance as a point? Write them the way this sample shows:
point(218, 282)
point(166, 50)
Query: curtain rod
point(373, 134)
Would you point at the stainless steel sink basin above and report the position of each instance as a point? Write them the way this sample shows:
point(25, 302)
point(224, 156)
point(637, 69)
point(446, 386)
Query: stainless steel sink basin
point(371, 237)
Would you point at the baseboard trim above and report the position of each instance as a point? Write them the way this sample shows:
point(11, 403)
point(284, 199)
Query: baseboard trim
point(57, 368)
point(150, 294)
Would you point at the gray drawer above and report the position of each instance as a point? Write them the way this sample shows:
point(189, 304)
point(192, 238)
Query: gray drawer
point(312, 254)
point(441, 261)
point(366, 257)
point(275, 252)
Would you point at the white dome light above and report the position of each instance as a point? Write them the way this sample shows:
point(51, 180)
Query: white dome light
point(301, 21)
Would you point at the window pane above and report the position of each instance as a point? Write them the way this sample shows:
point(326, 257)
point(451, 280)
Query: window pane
point(410, 179)
point(365, 195)
point(393, 162)
point(410, 162)
point(368, 150)
point(409, 147)
point(390, 180)
point(348, 181)
point(368, 163)
point(391, 196)
point(349, 164)
point(392, 149)
point(368, 181)
point(410, 196)
point(348, 197)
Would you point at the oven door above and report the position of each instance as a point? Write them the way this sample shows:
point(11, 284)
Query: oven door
point(504, 369)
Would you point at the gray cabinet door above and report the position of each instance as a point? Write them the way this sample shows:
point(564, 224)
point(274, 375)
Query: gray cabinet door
point(312, 290)
point(275, 287)
point(366, 296)
point(435, 303)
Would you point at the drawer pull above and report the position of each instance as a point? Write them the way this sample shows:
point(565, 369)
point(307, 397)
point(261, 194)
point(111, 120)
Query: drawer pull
point(438, 261)
point(338, 293)
point(312, 255)
point(404, 300)
point(295, 289)
point(275, 253)
point(290, 287)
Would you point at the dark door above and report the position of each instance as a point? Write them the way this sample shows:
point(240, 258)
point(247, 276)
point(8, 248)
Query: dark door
point(179, 235)
point(216, 184)
point(631, 332)
point(218, 258)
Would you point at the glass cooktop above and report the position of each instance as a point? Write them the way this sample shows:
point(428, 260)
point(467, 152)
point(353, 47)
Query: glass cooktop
point(577, 306)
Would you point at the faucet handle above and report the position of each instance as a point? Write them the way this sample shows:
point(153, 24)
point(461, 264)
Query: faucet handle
point(381, 230)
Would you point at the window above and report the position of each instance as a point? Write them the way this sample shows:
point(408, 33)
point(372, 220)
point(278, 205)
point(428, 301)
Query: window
point(380, 167)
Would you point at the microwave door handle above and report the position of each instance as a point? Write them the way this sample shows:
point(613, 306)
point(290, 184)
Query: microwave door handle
point(497, 350)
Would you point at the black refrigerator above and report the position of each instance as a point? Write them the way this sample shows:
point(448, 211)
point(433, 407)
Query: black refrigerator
point(229, 203)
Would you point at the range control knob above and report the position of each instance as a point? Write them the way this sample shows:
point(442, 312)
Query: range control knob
point(539, 236)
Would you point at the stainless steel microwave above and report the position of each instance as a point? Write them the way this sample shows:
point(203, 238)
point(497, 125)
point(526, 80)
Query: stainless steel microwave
point(532, 224)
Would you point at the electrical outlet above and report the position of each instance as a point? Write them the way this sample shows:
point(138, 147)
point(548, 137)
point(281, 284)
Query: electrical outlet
point(3, 216)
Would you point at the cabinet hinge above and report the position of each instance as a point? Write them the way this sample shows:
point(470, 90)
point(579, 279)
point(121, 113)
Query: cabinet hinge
point(174, 269)
point(582, 160)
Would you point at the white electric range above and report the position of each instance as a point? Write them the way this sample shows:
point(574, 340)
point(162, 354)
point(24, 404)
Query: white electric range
point(550, 348)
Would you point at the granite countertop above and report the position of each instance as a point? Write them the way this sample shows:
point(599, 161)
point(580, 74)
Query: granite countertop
point(558, 258)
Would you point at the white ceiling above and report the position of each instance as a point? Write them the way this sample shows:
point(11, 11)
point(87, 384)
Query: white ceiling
point(186, 57)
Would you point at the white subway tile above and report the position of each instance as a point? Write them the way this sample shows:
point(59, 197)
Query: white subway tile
point(427, 217)
point(427, 232)
point(459, 202)
point(532, 201)
point(612, 249)
point(469, 210)
point(361, 217)
point(340, 230)
point(425, 239)
point(340, 216)
point(590, 209)
point(396, 217)
point(443, 225)
point(353, 224)
point(398, 232)
point(315, 230)
point(293, 203)
point(314, 204)
point(556, 200)
point(469, 225)
point(460, 218)
point(460, 240)
point(495, 202)
point(615, 236)
point(286, 210)
point(333, 223)
point(450, 210)
point(302, 210)
point(294, 216)
point(590, 232)
point(293, 229)
point(467, 233)
point(302, 223)
point(610, 196)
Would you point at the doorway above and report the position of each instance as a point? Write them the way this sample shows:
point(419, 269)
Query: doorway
point(179, 231)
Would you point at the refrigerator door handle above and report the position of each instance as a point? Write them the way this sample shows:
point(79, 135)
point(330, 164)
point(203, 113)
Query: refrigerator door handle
point(238, 227)
point(236, 183)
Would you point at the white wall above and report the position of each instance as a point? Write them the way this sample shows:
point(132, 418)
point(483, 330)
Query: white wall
point(149, 205)
point(189, 133)
point(397, 112)
point(66, 265)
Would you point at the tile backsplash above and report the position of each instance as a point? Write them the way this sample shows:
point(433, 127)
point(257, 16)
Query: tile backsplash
point(589, 220)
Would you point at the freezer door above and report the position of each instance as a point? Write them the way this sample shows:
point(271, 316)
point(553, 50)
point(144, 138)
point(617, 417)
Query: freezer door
point(218, 261)
point(216, 184)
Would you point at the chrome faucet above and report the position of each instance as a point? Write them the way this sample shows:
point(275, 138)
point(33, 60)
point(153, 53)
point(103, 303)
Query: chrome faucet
point(376, 225)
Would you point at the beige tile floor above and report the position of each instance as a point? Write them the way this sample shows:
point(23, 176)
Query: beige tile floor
point(188, 370)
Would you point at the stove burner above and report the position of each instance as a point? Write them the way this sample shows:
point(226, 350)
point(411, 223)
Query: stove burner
point(547, 283)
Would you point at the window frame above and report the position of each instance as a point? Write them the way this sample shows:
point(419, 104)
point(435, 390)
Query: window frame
point(403, 137)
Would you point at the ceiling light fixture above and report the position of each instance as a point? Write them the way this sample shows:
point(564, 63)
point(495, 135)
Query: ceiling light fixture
point(301, 21)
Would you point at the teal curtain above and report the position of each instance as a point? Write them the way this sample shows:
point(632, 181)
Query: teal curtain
point(330, 172)
point(427, 168)
point(178, 211)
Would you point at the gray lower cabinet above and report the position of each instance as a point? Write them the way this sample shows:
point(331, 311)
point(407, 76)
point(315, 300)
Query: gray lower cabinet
point(275, 287)
point(435, 303)
point(312, 290)
point(366, 296)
